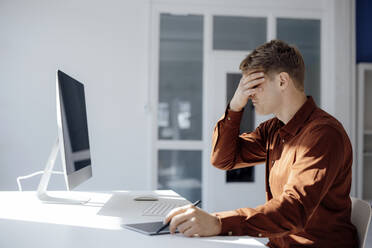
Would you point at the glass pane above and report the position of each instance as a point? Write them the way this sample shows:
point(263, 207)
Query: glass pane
point(246, 125)
point(367, 100)
point(238, 33)
point(367, 113)
point(367, 182)
point(181, 172)
point(305, 35)
point(180, 77)
point(367, 143)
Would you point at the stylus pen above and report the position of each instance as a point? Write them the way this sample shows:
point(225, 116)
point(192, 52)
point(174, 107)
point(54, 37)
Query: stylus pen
point(166, 225)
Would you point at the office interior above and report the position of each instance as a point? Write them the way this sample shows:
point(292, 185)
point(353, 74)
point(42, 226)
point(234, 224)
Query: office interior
point(158, 74)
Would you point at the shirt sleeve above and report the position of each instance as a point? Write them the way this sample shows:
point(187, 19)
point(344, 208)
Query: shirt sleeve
point(231, 150)
point(318, 160)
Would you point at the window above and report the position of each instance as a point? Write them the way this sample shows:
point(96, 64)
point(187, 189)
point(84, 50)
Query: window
point(180, 104)
point(180, 77)
point(305, 35)
point(238, 33)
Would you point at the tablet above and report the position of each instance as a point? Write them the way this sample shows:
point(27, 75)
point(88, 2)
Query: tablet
point(148, 228)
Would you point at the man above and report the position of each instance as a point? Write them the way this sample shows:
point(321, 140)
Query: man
point(308, 159)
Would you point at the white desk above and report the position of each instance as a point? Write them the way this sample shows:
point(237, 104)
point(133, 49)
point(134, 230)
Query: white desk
point(26, 222)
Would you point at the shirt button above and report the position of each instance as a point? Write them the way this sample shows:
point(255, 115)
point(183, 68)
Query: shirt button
point(260, 235)
point(228, 118)
point(283, 140)
point(229, 233)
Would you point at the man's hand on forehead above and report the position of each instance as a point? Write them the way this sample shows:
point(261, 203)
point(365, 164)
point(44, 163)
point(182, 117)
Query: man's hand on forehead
point(248, 87)
point(252, 80)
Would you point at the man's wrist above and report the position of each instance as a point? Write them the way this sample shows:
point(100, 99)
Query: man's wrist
point(234, 108)
point(218, 224)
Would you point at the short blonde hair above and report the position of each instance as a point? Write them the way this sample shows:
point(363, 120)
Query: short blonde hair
point(274, 57)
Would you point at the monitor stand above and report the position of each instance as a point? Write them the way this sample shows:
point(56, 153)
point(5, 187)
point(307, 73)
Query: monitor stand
point(43, 185)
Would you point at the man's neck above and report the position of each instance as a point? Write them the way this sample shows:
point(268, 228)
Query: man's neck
point(290, 107)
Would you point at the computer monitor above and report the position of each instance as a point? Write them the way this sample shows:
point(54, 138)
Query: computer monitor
point(73, 130)
point(72, 140)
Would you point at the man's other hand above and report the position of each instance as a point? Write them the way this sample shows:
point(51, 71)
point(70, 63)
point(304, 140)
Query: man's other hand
point(193, 221)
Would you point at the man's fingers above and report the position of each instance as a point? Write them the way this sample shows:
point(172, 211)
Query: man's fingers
point(179, 219)
point(254, 83)
point(251, 92)
point(191, 232)
point(174, 212)
point(176, 221)
point(185, 225)
point(252, 77)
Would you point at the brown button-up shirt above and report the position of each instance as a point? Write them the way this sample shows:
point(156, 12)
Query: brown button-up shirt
point(308, 178)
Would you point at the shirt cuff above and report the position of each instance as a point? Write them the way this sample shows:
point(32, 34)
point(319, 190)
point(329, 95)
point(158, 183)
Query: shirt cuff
point(230, 223)
point(232, 118)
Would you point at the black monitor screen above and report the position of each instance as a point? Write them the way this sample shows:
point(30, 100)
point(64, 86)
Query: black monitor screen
point(75, 116)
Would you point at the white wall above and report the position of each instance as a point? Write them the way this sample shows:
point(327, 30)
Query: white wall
point(104, 44)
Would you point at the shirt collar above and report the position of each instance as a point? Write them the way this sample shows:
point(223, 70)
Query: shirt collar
point(299, 119)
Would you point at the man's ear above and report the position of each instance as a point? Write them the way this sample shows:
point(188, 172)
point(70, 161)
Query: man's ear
point(284, 80)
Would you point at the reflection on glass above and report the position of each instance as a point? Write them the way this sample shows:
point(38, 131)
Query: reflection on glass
point(184, 115)
point(367, 182)
point(180, 77)
point(181, 172)
point(246, 125)
point(305, 35)
point(368, 100)
point(368, 143)
point(163, 114)
point(238, 33)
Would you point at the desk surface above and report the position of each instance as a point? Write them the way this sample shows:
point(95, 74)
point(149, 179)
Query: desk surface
point(26, 222)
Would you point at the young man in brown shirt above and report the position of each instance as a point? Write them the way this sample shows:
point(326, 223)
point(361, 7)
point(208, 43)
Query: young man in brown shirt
point(307, 153)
